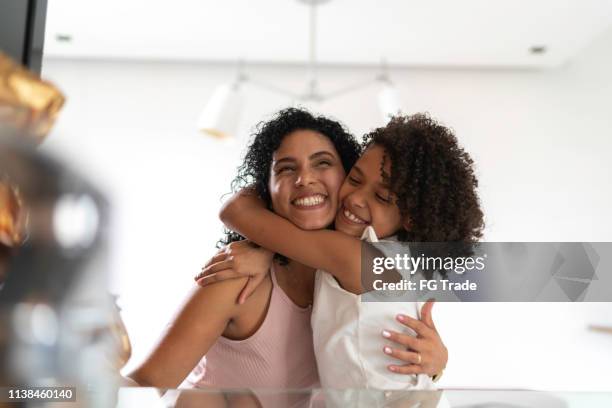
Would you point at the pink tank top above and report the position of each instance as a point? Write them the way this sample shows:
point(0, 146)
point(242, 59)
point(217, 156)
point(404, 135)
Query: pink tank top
point(279, 355)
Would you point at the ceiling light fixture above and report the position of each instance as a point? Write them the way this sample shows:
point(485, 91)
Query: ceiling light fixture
point(221, 115)
point(219, 118)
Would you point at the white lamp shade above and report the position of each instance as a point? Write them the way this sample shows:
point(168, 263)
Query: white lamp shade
point(221, 114)
point(388, 101)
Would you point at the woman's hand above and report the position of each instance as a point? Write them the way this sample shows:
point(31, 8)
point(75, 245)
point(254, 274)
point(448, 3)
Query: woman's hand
point(423, 354)
point(237, 260)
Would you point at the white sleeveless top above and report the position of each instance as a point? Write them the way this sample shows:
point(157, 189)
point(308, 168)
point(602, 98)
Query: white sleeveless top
point(348, 339)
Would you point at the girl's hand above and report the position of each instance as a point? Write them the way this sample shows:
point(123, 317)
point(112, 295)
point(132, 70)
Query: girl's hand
point(238, 260)
point(425, 353)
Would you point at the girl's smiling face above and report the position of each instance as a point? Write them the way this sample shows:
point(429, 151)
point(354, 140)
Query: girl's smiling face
point(365, 198)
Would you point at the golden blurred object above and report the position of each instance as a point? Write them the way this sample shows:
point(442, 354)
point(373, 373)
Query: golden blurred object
point(13, 217)
point(27, 102)
point(601, 329)
point(120, 337)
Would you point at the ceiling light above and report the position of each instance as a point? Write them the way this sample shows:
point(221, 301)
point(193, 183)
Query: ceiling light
point(388, 96)
point(388, 101)
point(220, 116)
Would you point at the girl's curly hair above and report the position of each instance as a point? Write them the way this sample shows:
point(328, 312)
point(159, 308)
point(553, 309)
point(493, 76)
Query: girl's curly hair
point(267, 138)
point(432, 178)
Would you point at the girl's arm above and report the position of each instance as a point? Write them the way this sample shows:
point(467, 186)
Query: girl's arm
point(332, 251)
point(196, 327)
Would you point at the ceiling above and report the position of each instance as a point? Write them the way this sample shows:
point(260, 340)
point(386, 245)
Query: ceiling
point(456, 33)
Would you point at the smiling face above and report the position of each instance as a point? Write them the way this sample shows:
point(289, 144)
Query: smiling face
point(305, 177)
point(366, 200)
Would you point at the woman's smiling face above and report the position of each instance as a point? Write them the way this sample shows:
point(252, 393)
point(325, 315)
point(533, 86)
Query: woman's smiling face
point(305, 177)
point(365, 198)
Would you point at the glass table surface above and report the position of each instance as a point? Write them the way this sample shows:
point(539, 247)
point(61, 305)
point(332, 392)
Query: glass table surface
point(464, 398)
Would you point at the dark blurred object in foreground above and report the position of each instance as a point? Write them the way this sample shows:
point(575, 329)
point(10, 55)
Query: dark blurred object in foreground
point(58, 324)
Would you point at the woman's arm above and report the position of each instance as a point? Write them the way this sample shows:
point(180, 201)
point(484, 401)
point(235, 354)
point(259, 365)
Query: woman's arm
point(194, 329)
point(332, 251)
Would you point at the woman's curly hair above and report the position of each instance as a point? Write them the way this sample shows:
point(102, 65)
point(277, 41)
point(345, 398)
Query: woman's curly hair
point(432, 178)
point(267, 138)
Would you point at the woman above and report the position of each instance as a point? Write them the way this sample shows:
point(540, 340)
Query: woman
point(267, 340)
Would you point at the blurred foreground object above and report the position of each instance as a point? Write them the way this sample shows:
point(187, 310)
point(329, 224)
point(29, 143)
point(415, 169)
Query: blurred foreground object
point(601, 329)
point(12, 216)
point(27, 103)
point(121, 340)
point(28, 109)
point(13, 220)
point(58, 325)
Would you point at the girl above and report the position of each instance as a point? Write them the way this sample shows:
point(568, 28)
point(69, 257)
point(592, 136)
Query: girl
point(412, 183)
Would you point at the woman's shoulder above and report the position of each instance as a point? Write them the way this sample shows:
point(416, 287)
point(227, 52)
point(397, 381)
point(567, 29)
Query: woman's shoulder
point(222, 296)
point(248, 317)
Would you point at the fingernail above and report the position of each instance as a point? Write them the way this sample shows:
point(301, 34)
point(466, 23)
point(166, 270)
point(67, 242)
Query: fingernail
point(392, 368)
point(387, 350)
point(401, 318)
point(386, 334)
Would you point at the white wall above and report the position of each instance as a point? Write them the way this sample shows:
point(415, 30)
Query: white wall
point(541, 141)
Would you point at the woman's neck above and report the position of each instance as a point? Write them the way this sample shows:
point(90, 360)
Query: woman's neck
point(296, 280)
point(298, 268)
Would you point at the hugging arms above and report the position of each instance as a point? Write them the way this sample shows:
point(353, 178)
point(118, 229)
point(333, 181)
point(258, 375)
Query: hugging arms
point(413, 182)
point(365, 200)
